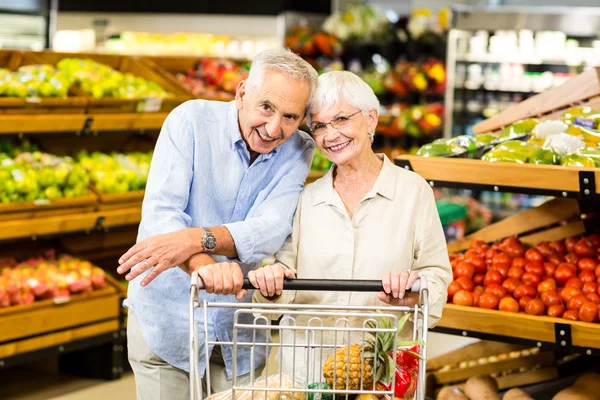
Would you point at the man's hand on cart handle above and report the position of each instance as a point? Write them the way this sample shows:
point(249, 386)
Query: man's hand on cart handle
point(269, 279)
point(395, 285)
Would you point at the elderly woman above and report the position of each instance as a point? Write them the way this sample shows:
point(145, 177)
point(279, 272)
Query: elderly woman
point(365, 219)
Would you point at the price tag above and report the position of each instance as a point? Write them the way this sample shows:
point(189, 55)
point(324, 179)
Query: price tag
point(33, 100)
point(61, 299)
point(41, 202)
point(586, 123)
point(150, 104)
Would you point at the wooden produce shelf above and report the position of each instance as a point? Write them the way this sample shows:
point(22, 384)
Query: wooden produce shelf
point(521, 328)
point(39, 209)
point(21, 228)
point(551, 180)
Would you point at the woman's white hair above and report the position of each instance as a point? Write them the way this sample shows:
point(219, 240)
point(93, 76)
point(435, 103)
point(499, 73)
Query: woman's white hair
point(337, 86)
point(285, 62)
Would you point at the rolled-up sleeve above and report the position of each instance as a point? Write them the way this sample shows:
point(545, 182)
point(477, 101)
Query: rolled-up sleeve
point(263, 234)
point(431, 255)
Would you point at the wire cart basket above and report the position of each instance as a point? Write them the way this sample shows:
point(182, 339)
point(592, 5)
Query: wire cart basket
point(308, 335)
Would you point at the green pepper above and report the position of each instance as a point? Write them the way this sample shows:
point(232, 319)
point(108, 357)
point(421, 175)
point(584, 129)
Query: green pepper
point(591, 152)
point(545, 156)
point(519, 128)
point(576, 160)
point(504, 156)
point(439, 150)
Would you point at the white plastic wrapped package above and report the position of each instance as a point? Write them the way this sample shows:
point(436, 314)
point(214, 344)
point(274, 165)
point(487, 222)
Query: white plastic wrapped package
point(546, 129)
point(564, 143)
point(279, 382)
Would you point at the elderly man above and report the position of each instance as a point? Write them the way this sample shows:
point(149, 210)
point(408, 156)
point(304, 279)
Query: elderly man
point(223, 186)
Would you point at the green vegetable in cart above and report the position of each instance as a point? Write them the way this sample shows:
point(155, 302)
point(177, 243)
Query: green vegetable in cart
point(518, 129)
point(576, 160)
point(440, 150)
point(545, 156)
point(319, 396)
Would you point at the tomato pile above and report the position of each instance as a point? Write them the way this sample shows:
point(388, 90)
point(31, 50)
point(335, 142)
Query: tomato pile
point(559, 278)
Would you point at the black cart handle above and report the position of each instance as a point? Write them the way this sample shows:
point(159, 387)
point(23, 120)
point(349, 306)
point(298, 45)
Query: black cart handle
point(322, 285)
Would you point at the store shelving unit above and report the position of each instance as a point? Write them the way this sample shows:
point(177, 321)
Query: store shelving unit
point(571, 212)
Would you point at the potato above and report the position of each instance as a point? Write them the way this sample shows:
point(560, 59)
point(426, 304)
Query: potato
point(482, 387)
point(516, 394)
point(451, 393)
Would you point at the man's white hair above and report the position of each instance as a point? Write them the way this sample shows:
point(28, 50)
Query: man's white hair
point(285, 62)
point(337, 86)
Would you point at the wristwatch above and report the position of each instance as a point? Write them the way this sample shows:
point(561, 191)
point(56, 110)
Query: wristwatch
point(209, 241)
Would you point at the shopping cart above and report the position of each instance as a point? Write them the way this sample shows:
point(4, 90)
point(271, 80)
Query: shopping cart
point(342, 323)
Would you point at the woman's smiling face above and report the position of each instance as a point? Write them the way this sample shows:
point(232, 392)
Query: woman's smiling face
point(349, 139)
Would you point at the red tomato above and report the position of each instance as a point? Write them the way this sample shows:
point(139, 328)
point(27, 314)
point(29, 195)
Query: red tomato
point(514, 248)
point(524, 290)
point(489, 301)
point(510, 284)
point(463, 298)
point(489, 255)
point(563, 274)
point(518, 262)
point(515, 272)
point(463, 268)
point(556, 310)
point(508, 304)
point(535, 307)
point(551, 298)
point(546, 285)
point(588, 312)
point(492, 277)
point(478, 278)
point(574, 282)
point(476, 299)
point(570, 244)
point(531, 279)
point(556, 260)
point(475, 261)
point(549, 268)
point(572, 258)
point(597, 271)
point(479, 289)
point(483, 250)
point(568, 293)
point(544, 248)
point(584, 248)
point(535, 267)
point(595, 239)
point(534, 255)
point(476, 244)
point(572, 315)
point(589, 287)
point(502, 268)
point(470, 254)
point(593, 297)
point(558, 246)
point(587, 276)
point(587, 264)
point(524, 301)
point(576, 302)
point(453, 287)
point(501, 258)
point(498, 290)
point(466, 283)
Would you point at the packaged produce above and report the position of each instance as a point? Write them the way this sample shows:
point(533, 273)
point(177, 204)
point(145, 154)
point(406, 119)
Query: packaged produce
point(545, 129)
point(100, 81)
point(34, 81)
point(520, 129)
point(441, 150)
point(591, 152)
point(589, 135)
point(583, 114)
point(545, 156)
point(564, 143)
point(576, 160)
point(511, 151)
point(116, 172)
point(271, 382)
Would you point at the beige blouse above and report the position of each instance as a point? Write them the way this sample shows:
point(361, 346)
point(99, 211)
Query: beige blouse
point(395, 228)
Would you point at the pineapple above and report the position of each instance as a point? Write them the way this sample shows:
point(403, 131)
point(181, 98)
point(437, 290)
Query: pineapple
point(349, 362)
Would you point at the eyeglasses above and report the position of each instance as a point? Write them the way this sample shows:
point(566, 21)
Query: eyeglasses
point(336, 123)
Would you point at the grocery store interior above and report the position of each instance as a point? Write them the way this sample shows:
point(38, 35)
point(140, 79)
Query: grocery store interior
point(496, 104)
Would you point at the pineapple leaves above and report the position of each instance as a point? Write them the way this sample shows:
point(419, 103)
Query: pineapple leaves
point(390, 368)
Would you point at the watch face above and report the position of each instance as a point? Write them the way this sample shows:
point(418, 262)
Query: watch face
point(210, 243)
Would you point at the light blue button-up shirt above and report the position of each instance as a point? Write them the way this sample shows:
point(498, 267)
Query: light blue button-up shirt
point(201, 176)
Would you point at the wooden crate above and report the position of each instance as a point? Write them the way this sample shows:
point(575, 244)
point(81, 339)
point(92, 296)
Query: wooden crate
point(123, 64)
point(119, 200)
point(48, 208)
point(75, 103)
point(170, 66)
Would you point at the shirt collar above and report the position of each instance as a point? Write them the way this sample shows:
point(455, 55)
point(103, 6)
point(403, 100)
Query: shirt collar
point(236, 135)
point(385, 185)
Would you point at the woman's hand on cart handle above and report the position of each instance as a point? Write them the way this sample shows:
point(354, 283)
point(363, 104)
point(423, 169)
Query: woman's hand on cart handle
point(395, 285)
point(269, 279)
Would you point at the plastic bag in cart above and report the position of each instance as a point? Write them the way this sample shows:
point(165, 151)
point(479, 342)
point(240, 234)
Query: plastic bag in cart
point(275, 384)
